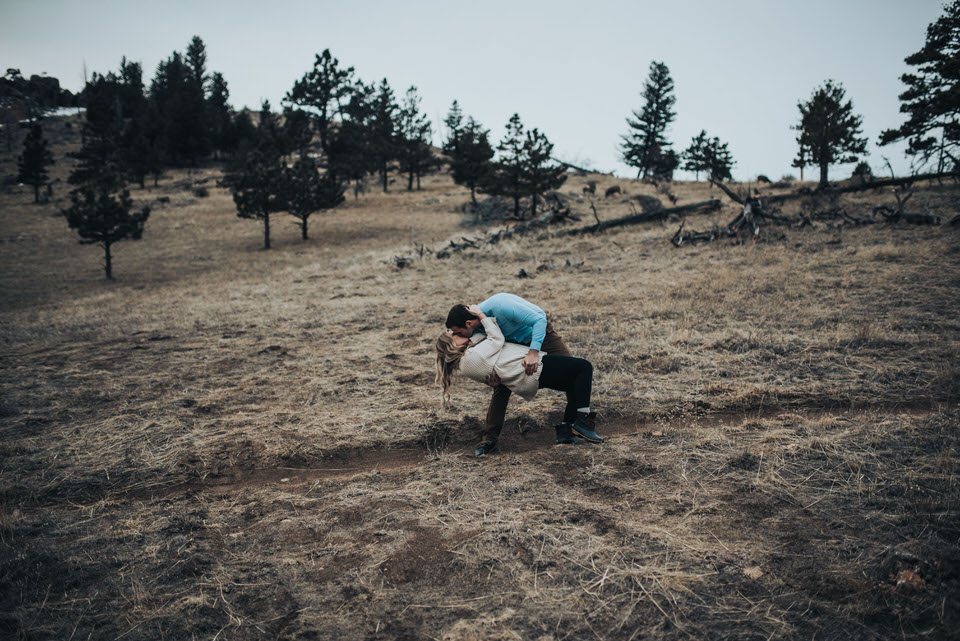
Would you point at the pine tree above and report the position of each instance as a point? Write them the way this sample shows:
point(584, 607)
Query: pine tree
point(197, 62)
point(136, 149)
point(719, 160)
point(243, 135)
point(471, 158)
point(32, 164)
point(539, 174)
point(218, 112)
point(269, 133)
point(100, 160)
point(306, 191)
point(802, 158)
point(829, 128)
point(383, 130)
point(696, 154)
point(321, 91)
point(351, 155)
point(509, 175)
point(645, 147)
point(415, 155)
point(296, 131)
point(100, 213)
point(256, 183)
point(177, 92)
point(932, 96)
point(195, 113)
point(454, 124)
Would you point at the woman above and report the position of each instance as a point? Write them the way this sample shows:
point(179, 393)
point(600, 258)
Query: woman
point(494, 356)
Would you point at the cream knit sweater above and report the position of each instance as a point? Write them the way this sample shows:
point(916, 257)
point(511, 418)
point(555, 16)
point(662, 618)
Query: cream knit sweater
point(494, 355)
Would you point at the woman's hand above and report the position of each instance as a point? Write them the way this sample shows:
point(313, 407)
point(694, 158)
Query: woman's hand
point(476, 311)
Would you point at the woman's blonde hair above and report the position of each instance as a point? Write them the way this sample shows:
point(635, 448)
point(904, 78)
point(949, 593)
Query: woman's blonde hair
point(448, 360)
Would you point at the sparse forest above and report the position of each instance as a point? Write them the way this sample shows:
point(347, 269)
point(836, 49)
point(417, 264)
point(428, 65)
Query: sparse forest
point(201, 439)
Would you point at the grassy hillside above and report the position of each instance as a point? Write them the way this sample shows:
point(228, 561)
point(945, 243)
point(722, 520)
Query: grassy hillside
point(246, 443)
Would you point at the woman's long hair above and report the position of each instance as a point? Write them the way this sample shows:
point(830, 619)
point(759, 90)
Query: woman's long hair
point(448, 360)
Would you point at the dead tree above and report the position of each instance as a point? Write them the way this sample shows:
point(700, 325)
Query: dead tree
point(900, 214)
point(645, 217)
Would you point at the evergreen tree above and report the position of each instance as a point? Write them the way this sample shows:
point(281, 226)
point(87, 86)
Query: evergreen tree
point(269, 132)
point(932, 96)
point(645, 147)
point(454, 124)
point(802, 158)
point(351, 155)
point(196, 111)
point(178, 94)
point(471, 158)
point(197, 62)
point(719, 160)
point(415, 154)
point(695, 155)
point(306, 191)
point(100, 159)
point(243, 135)
point(100, 212)
point(539, 175)
point(136, 150)
point(320, 91)
point(32, 164)
point(383, 130)
point(829, 128)
point(509, 177)
point(218, 112)
point(256, 183)
point(132, 97)
point(296, 131)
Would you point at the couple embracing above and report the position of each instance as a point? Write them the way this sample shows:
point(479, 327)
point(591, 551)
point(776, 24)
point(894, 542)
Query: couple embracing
point(507, 343)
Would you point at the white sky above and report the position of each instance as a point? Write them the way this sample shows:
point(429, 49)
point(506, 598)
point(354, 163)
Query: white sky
point(572, 69)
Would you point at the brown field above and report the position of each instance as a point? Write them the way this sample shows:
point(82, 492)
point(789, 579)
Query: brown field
point(231, 443)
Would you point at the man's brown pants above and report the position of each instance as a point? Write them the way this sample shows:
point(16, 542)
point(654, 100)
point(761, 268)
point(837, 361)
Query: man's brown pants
point(552, 344)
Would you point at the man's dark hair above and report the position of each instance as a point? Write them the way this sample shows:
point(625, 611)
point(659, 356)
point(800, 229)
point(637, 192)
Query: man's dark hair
point(458, 316)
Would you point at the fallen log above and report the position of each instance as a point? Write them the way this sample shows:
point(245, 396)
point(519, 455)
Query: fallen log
point(693, 237)
point(581, 169)
point(645, 217)
point(906, 181)
point(913, 218)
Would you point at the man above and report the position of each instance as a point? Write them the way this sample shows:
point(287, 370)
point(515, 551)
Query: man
point(524, 323)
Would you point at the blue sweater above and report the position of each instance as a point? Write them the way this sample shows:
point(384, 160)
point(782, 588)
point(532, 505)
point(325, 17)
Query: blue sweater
point(520, 321)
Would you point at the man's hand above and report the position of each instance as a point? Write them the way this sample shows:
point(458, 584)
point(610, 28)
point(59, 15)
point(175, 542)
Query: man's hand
point(492, 380)
point(476, 311)
point(531, 361)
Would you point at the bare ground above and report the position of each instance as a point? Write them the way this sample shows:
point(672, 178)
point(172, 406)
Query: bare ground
point(231, 443)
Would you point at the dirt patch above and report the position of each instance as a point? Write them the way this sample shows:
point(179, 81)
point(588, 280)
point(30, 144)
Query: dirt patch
point(424, 557)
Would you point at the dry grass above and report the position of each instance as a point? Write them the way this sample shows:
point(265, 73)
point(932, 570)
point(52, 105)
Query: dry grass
point(233, 443)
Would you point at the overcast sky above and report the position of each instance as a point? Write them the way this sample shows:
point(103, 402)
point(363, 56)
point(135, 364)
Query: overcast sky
point(574, 70)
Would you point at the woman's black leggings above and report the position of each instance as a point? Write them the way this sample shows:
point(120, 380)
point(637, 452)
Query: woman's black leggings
point(571, 375)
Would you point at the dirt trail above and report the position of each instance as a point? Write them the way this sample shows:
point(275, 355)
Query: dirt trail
point(352, 463)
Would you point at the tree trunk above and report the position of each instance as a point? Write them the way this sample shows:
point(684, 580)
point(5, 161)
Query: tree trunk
point(823, 174)
point(266, 231)
point(410, 181)
point(473, 194)
point(303, 227)
point(516, 207)
point(107, 261)
point(36, 192)
point(533, 206)
point(383, 172)
point(645, 217)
